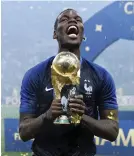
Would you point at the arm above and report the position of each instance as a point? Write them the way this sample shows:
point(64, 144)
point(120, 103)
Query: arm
point(107, 126)
point(30, 125)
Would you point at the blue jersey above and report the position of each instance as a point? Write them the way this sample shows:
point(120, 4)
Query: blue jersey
point(99, 93)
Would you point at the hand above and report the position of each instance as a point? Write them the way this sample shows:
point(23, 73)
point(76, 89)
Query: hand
point(56, 109)
point(77, 105)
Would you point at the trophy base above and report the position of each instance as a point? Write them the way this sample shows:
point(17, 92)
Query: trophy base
point(75, 119)
point(62, 120)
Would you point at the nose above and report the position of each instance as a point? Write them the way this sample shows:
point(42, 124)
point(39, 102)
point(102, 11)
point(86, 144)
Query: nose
point(72, 20)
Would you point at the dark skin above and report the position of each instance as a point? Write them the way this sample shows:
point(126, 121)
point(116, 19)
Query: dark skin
point(106, 127)
point(65, 42)
point(30, 125)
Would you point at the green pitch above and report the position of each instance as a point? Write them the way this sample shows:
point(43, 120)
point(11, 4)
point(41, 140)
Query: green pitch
point(13, 112)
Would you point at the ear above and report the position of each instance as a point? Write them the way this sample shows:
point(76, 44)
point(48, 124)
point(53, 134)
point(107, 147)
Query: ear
point(54, 35)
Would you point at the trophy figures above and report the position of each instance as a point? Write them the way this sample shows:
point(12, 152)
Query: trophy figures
point(65, 76)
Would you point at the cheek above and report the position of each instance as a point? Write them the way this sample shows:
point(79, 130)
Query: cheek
point(60, 29)
point(81, 28)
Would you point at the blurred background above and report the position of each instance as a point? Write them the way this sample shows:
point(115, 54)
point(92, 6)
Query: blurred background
point(27, 31)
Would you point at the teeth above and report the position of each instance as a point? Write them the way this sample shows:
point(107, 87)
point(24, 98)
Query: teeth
point(74, 27)
point(72, 35)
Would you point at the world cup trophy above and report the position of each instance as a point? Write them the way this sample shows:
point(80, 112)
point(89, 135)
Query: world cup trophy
point(65, 76)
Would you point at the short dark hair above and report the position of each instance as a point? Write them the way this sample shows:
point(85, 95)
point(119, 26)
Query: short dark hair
point(56, 21)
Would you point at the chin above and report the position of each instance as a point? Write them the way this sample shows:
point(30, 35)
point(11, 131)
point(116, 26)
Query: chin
point(73, 43)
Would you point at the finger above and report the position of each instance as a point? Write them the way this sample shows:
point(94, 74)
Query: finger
point(57, 112)
point(77, 111)
point(57, 100)
point(79, 96)
point(77, 101)
point(78, 106)
point(56, 108)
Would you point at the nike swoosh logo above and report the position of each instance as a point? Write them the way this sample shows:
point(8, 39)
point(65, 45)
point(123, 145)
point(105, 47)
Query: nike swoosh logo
point(48, 89)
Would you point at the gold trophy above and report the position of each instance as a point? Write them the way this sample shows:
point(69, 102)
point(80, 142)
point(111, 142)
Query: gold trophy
point(65, 76)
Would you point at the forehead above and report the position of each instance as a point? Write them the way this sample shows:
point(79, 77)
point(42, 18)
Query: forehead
point(69, 13)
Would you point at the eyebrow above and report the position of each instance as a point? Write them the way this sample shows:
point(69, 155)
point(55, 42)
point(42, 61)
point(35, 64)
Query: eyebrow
point(77, 16)
point(64, 16)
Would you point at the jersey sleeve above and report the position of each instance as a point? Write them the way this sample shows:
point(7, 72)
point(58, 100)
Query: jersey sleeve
point(108, 99)
point(28, 94)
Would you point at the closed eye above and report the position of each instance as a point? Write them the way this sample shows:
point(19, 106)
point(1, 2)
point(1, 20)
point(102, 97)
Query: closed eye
point(79, 19)
point(64, 18)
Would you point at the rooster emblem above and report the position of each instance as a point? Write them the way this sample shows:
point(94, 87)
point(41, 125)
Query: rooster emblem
point(88, 87)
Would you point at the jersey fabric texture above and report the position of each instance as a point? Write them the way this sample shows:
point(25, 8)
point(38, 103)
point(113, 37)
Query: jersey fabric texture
point(98, 90)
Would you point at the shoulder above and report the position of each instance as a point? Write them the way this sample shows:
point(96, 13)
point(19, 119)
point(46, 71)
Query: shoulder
point(98, 70)
point(38, 70)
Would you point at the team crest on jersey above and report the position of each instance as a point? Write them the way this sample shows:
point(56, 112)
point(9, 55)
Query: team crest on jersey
point(88, 88)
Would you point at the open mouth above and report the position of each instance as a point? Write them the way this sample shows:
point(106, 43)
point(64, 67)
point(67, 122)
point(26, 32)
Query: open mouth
point(72, 31)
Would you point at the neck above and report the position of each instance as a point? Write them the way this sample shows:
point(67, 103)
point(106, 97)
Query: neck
point(75, 51)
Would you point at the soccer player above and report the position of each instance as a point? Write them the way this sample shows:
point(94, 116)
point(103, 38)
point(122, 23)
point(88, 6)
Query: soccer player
point(96, 103)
